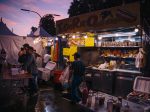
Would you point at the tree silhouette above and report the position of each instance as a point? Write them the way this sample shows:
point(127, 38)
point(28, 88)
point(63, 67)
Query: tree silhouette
point(48, 23)
point(78, 7)
point(33, 29)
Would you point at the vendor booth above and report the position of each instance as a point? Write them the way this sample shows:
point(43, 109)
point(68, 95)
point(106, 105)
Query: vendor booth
point(110, 42)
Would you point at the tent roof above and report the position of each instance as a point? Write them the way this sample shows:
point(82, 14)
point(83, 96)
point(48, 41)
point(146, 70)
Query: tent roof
point(4, 30)
point(41, 32)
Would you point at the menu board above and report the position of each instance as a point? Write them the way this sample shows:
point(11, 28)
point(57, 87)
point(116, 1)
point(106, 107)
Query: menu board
point(89, 42)
point(66, 51)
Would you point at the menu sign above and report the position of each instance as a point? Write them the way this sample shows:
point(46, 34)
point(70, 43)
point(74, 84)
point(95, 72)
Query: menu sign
point(120, 16)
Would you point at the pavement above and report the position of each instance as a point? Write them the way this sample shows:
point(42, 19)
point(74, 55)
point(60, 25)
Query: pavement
point(47, 100)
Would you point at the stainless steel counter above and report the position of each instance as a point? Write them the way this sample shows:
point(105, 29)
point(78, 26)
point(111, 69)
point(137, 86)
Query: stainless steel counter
point(116, 70)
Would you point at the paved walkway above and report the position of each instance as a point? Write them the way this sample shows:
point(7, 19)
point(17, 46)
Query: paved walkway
point(52, 101)
point(47, 100)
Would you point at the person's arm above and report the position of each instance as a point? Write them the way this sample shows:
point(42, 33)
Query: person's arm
point(71, 71)
point(37, 55)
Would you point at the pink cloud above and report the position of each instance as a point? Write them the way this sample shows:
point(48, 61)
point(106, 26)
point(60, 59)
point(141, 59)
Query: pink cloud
point(9, 11)
point(22, 2)
point(6, 8)
point(23, 21)
point(48, 1)
point(57, 1)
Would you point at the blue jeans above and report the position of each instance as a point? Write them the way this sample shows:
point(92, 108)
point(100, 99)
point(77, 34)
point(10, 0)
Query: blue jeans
point(76, 81)
point(33, 83)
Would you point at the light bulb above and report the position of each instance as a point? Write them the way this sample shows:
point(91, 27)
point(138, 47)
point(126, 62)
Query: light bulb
point(73, 36)
point(56, 38)
point(63, 36)
point(99, 38)
point(116, 34)
point(136, 30)
point(85, 36)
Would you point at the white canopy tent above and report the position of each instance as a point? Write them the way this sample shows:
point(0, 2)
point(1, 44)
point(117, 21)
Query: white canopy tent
point(12, 43)
point(41, 32)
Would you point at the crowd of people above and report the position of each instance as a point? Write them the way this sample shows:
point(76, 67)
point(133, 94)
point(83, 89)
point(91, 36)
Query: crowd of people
point(27, 58)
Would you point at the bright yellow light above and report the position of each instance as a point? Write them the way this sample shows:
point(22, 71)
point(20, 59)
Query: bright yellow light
point(37, 40)
point(63, 36)
point(85, 36)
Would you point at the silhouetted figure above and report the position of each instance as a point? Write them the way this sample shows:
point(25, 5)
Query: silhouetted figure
point(2, 59)
point(78, 70)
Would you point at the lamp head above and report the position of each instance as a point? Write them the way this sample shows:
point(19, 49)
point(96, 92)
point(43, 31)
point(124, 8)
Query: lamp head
point(25, 10)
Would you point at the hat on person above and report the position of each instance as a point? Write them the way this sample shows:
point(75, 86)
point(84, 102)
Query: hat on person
point(26, 45)
point(77, 55)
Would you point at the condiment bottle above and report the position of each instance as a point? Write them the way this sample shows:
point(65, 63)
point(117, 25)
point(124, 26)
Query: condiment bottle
point(96, 101)
point(110, 105)
point(84, 96)
point(89, 101)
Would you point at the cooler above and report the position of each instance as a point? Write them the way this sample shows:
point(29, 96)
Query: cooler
point(141, 91)
point(46, 72)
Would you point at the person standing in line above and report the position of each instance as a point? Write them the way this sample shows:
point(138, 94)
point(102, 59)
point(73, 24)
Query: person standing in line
point(31, 67)
point(2, 59)
point(77, 69)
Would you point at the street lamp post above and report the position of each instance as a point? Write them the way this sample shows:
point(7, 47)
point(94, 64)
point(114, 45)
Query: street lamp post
point(27, 10)
point(32, 11)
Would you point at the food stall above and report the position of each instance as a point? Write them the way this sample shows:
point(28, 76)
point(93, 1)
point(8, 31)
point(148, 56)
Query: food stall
point(110, 42)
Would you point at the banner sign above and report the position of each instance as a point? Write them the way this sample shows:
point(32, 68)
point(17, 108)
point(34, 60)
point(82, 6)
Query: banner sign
point(73, 50)
point(121, 16)
point(66, 51)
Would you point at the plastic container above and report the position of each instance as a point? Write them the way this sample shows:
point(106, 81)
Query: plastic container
point(57, 74)
point(15, 71)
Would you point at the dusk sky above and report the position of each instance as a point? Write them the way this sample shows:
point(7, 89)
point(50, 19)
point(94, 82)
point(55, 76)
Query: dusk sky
point(21, 21)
